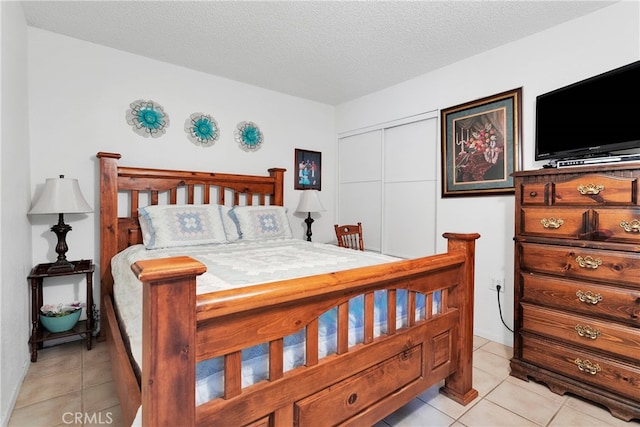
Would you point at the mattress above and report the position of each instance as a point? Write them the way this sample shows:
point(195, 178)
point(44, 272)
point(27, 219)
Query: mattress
point(246, 263)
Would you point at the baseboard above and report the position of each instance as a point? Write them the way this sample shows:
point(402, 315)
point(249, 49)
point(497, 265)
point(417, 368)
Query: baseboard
point(6, 416)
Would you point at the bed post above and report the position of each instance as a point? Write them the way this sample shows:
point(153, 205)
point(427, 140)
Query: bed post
point(458, 386)
point(108, 226)
point(168, 340)
point(278, 196)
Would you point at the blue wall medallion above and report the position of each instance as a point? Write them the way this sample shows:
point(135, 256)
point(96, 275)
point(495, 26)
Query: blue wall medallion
point(202, 129)
point(147, 118)
point(249, 136)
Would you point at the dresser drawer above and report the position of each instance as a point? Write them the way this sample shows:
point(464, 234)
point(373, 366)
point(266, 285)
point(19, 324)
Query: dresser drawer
point(554, 222)
point(621, 225)
point(585, 366)
point(590, 299)
point(348, 397)
point(594, 189)
point(581, 263)
point(534, 193)
point(587, 332)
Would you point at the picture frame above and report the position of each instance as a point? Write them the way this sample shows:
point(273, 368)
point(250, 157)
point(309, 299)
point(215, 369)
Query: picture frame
point(308, 170)
point(481, 145)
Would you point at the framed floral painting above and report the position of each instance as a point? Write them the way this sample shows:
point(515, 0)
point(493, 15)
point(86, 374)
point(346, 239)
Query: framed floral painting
point(481, 145)
point(308, 171)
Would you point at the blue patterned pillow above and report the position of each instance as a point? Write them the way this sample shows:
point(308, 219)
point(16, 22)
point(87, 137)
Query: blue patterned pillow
point(181, 225)
point(262, 222)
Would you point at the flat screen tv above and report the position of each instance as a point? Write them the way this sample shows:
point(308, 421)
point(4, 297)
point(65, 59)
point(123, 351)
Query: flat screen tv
point(594, 117)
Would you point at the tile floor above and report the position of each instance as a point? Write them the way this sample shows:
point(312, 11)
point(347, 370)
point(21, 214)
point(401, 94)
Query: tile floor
point(69, 380)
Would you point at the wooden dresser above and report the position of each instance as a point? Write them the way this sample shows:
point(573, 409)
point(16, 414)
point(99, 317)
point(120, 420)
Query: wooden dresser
point(577, 283)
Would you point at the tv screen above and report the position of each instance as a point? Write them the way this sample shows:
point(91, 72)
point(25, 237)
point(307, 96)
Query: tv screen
point(596, 116)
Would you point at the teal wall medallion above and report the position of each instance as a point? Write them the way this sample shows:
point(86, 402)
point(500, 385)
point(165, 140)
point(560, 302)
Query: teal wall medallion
point(202, 129)
point(249, 136)
point(147, 118)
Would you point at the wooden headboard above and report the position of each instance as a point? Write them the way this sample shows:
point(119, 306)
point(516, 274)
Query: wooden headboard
point(124, 189)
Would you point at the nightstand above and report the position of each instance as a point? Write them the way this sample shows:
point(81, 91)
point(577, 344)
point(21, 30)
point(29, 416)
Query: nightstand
point(36, 279)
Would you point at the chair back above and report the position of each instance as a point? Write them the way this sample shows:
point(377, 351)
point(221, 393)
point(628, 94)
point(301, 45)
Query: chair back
point(350, 236)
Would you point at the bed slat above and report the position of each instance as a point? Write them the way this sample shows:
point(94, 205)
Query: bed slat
point(276, 357)
point(343, 328)
point(312, 343)
point(232, 374)
point(368, 317)
point(391, 311)
point(411, 308)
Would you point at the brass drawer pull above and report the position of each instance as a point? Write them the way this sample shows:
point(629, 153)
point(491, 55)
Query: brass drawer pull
point(587, 331)
point(588, 262)
point(630, 227)
point(590, 189)
point(589, 297)
point(587, 366)
point(551, 222)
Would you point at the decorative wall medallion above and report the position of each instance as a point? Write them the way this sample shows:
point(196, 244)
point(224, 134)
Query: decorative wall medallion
point(147, 118)
point(202, 129)
point(249, 136)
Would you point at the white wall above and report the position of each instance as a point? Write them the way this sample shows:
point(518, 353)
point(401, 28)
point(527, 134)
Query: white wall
point(79, 93)
point(15, 231)
point(567, 53)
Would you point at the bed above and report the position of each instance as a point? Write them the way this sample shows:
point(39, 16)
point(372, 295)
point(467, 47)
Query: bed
point(357, 382)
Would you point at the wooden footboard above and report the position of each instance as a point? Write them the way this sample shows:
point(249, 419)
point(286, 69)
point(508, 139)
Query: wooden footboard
point(358, 385)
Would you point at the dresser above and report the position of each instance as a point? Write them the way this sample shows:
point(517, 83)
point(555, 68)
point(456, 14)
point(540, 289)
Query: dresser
point(577, 283)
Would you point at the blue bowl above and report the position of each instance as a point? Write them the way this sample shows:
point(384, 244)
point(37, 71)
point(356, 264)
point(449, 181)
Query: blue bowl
point(61, 323)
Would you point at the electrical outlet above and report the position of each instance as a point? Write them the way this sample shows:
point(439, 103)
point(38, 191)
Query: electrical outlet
point(494, 282)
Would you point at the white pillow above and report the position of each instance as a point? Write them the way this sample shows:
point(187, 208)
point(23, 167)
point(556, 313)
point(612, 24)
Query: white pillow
point(262, 222)
point(181, 225)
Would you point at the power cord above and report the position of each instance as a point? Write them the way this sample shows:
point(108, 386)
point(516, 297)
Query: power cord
point(498, 287)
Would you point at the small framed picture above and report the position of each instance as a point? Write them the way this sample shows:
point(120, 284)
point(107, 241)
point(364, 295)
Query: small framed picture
point(308, 170)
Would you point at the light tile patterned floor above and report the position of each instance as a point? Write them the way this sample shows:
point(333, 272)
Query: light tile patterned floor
point(72, 386)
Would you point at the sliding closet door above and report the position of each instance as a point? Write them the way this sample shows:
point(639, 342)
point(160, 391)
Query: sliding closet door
point(387, 181)
point(410, 189)
point(360, 189)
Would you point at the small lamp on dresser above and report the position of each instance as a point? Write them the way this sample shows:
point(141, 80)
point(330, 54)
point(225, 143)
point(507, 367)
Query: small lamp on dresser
point(310, 203)
point(60, 196)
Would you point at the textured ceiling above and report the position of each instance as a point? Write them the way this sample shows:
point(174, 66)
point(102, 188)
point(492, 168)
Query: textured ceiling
point(328, 51)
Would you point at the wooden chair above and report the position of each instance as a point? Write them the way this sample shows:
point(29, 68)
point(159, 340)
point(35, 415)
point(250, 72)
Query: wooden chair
point(350, 236)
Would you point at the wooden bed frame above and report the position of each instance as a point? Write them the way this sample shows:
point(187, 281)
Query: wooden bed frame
point(356, 386)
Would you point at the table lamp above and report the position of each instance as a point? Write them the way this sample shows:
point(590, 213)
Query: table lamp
point(59, 196)
point(309, 202)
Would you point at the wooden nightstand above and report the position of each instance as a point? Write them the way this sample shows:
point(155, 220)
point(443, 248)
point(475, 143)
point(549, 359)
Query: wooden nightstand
point(85, 327)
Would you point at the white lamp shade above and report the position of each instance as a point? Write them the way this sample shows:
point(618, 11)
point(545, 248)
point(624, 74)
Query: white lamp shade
point(310, 202)
point(60, 195)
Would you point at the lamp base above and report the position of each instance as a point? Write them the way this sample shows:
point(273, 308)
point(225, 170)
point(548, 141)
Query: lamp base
point(61, 267)
point(309, 221)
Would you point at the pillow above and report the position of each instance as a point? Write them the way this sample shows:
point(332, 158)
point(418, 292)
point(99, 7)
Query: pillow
point(262, 222)
point(229, 223)
point(181, 225)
